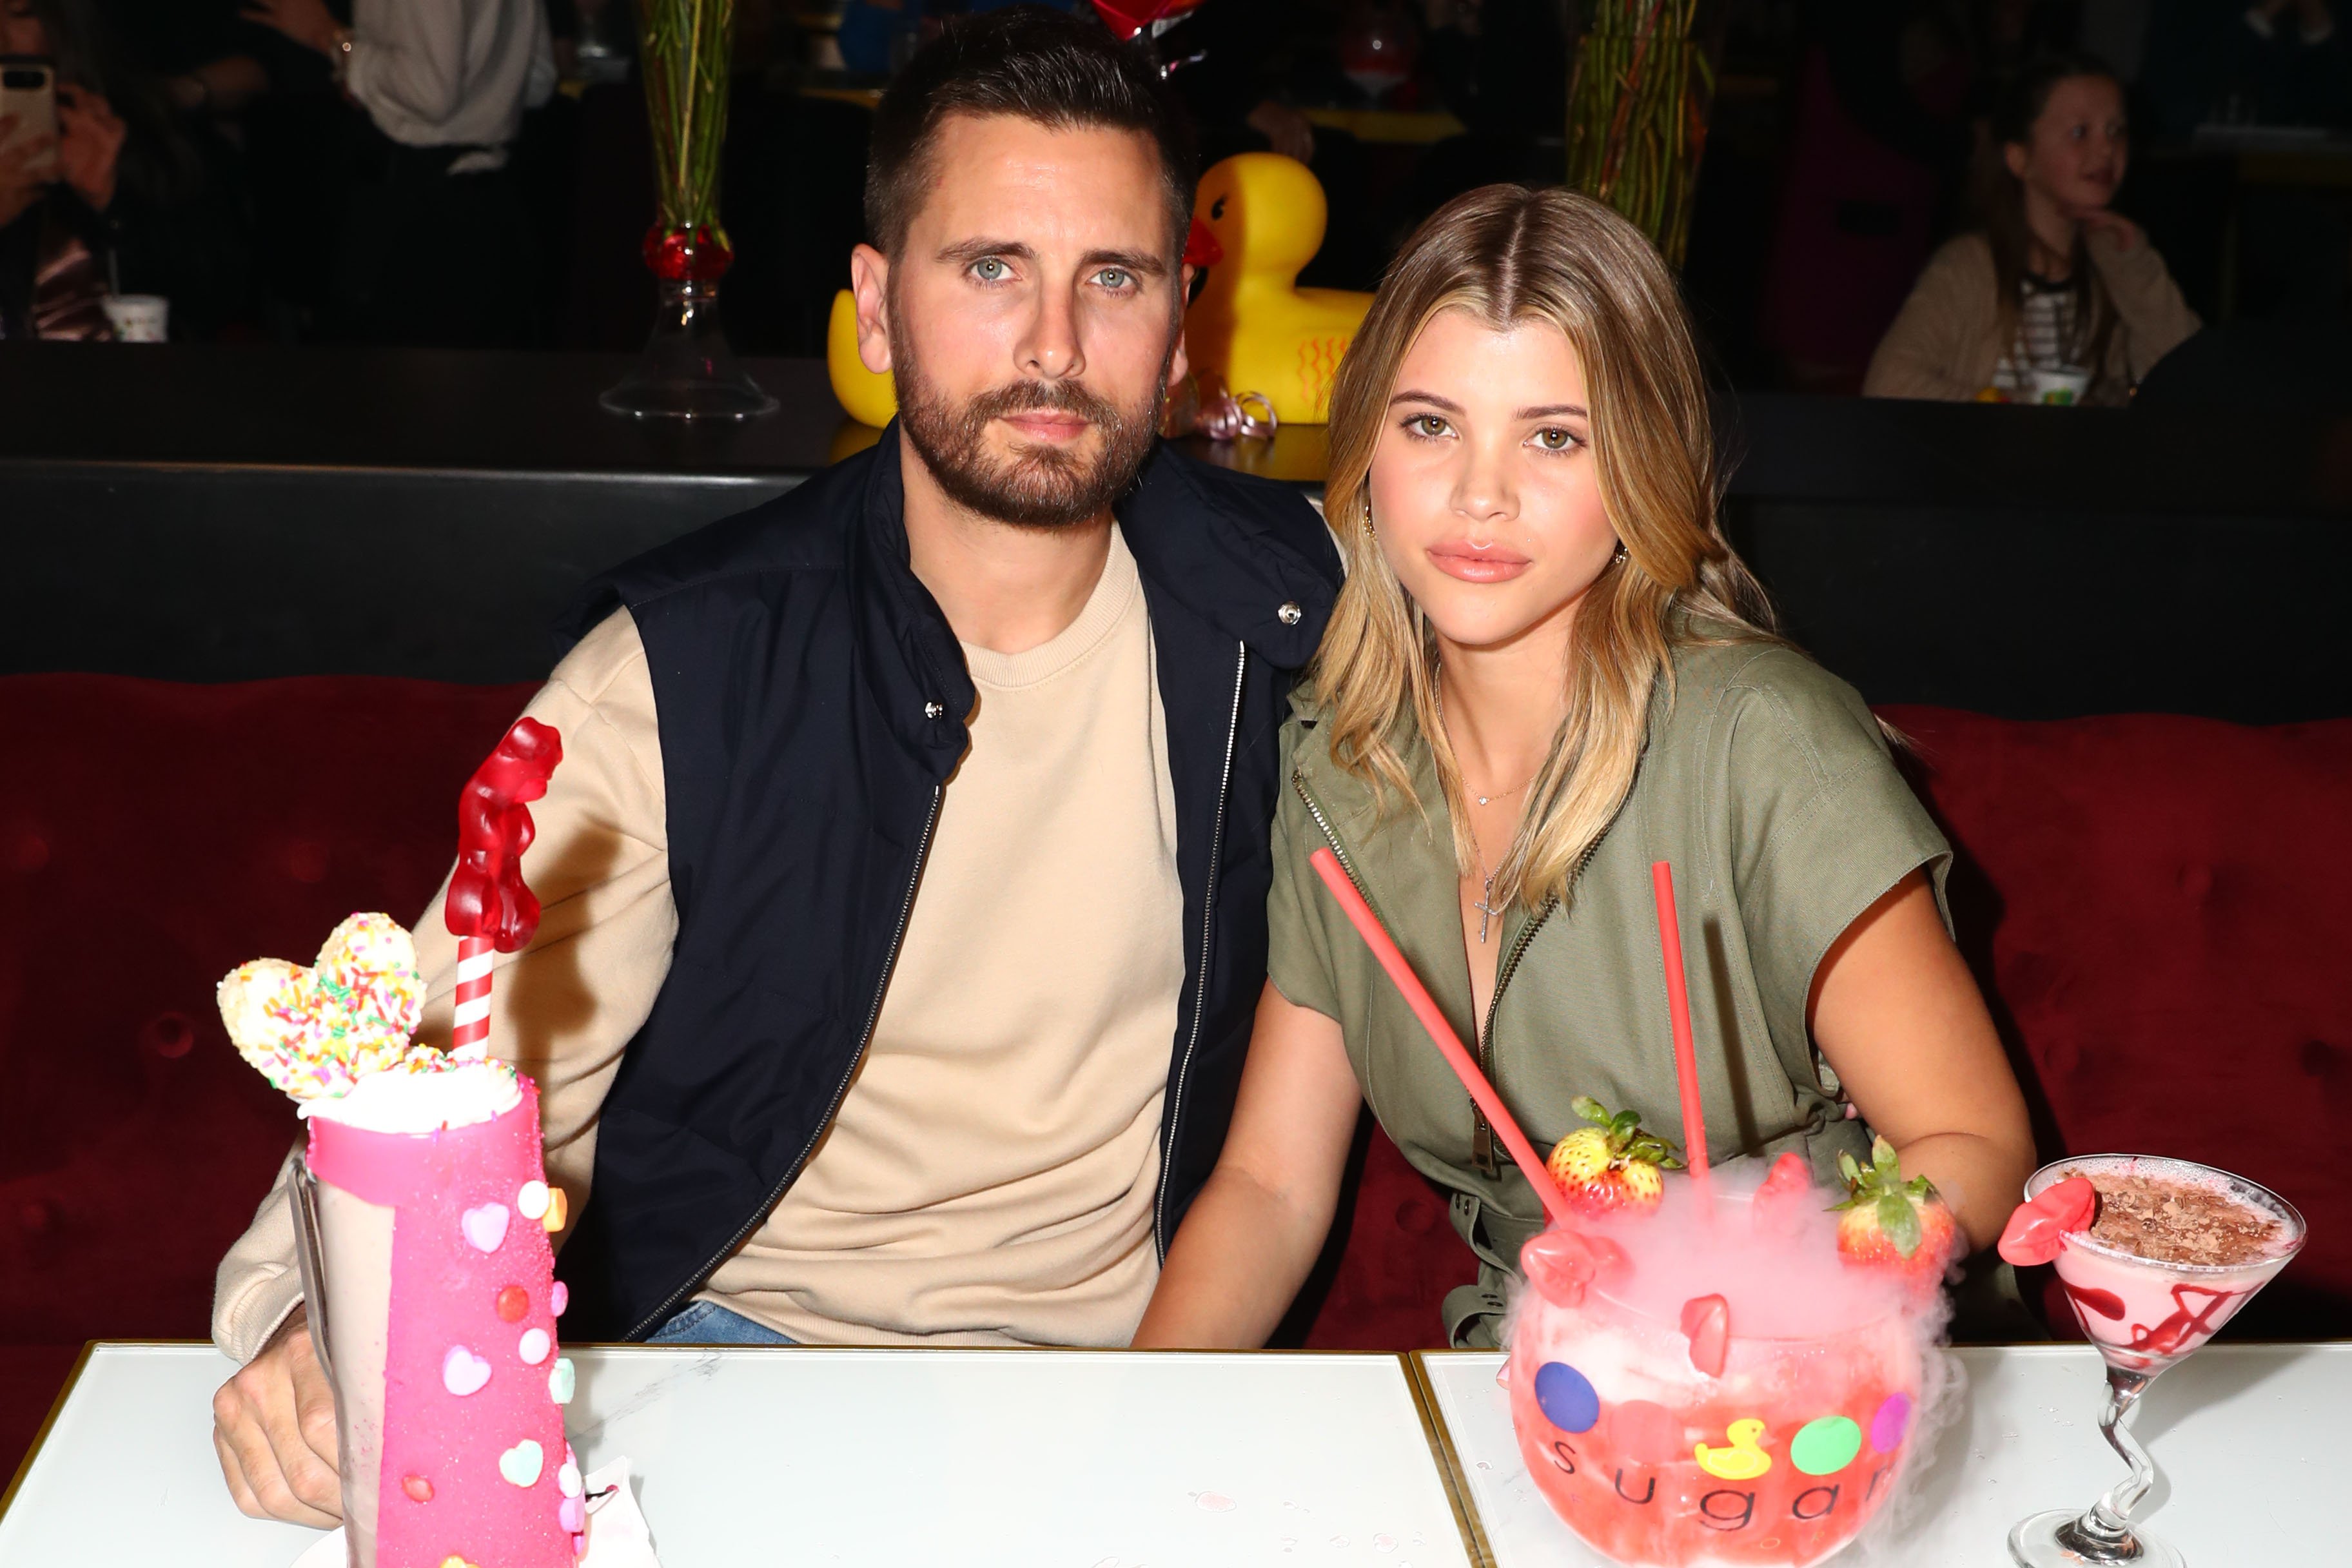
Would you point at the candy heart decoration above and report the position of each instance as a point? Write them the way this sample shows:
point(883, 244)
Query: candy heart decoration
point(486, 1226)
point(313, 1031)
point(2036, 1231)
point(522, 1462)
point(1707, 1324)
point(463, 1372)
point(561, 1380)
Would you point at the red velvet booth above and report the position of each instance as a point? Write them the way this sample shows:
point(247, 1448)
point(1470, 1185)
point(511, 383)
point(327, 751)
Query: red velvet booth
point(2156, 905)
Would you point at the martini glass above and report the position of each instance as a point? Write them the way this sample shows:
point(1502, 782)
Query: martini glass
point(2143, 1316)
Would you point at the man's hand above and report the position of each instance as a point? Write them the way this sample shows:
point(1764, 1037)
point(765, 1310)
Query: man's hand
point(274, 1428)
point(308, 22)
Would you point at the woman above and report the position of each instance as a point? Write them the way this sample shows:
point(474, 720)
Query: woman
point(1547, 670)
point(124, 200)
point(2058, 299)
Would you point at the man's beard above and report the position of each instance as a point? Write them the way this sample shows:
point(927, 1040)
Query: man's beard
point(1040, 486)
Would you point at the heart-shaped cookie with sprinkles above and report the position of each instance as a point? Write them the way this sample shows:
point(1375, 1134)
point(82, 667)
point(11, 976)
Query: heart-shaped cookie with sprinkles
point(313, 1032)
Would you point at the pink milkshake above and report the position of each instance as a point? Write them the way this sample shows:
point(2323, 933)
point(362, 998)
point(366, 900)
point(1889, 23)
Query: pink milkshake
point(2173, 1250)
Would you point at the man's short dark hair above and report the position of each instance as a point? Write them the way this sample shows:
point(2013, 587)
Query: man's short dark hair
point(1063, 72)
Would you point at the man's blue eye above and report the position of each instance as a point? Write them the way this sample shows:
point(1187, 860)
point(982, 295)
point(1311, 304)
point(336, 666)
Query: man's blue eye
point(1112, 277)
point(989, 268)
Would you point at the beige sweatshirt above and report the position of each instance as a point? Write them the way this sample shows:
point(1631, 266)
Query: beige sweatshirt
point(989, 1177)
point(1946, 340)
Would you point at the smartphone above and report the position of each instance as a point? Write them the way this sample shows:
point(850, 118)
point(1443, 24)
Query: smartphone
point(28, 96)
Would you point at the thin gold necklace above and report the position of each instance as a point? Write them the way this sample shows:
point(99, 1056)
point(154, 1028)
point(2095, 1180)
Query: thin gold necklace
point(1484, 904)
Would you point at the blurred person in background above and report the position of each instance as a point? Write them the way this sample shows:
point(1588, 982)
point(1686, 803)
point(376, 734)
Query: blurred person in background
point(123, 200)
point(435, 247)
point(2058, 298)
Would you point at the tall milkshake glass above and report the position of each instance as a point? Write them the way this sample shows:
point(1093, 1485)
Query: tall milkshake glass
point(2146, 1314)
point(432, 1307)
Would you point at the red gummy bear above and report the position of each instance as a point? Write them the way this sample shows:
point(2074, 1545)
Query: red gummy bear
point(487, 895)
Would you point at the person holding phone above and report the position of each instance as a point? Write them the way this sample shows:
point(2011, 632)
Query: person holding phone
point(104, 188)
point(59, 144)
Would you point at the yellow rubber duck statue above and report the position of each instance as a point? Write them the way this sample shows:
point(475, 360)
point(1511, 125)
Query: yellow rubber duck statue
point(1252, 325)
point(1742, 1461)
point(868, 398)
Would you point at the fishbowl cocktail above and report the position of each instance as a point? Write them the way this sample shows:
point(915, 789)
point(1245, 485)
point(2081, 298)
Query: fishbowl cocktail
point(1712, 1382)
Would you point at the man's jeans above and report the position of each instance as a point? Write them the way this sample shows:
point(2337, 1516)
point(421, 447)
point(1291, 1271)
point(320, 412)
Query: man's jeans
point(708, 1323)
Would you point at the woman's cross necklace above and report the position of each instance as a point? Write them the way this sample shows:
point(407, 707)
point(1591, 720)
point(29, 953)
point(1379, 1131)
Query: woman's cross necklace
point(1485, 901)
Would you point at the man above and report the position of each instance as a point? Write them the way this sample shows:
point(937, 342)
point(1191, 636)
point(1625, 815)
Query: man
point(441, 87)
point(905, 872)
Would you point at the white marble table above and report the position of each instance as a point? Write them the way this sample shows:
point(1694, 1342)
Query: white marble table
point(953, 1458)
point(2252, 1441)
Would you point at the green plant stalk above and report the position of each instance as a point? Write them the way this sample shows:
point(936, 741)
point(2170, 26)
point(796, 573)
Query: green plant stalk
point(685, 49)
point(1637, 115)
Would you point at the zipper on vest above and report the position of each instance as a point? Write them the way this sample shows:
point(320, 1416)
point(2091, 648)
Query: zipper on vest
point(873, 1017)
point(1159, 1236)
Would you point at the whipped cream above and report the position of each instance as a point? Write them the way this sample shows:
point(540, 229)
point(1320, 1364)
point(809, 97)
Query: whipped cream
point(425, 1094)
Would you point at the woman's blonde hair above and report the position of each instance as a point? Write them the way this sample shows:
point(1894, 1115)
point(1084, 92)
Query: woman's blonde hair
point(1507, 254)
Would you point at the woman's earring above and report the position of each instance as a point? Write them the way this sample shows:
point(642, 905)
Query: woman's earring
point(1618, 558)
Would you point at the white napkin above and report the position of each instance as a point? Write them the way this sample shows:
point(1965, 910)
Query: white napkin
point(617, 1536)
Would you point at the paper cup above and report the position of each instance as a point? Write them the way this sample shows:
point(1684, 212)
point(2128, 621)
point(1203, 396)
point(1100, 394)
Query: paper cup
point(139, 317)
point(2062, 387)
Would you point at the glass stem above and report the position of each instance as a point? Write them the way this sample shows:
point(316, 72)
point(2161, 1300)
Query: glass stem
point(2104, 1534)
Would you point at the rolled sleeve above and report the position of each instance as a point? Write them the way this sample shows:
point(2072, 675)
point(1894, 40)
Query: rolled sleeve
point(564, 1009)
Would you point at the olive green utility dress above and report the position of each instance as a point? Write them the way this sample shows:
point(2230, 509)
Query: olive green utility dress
point(1767, 785)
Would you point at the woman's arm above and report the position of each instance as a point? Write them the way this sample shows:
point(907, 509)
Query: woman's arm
point(1259, 1222)
point(1896, 1013)
point(1932, 348)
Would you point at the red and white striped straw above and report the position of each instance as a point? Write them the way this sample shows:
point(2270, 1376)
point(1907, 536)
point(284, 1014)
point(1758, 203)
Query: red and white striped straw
point(470, 1039)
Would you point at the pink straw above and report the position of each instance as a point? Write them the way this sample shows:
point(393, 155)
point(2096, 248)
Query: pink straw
point(1670, 938)
point(1425, 1007)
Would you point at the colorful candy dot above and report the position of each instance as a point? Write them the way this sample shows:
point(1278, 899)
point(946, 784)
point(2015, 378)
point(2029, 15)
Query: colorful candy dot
point(1825, 1446)
point(1886, 1427)
point(559, 1297)
point(463, 1372)
point(570, 1514)
point(532, 1199)
point(1645, 1431)
point(522, 1462)
point(484, 1227)
point(553, 1221)
point(453, 1561)
point(513, 1302)
point(567, 1479)
point(534, 1346)
point(1566, 1397)
point(418, 1489)
point(560, 1381)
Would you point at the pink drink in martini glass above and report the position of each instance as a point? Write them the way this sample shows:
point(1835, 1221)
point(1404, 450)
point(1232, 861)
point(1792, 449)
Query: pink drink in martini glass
point(2170, 1251)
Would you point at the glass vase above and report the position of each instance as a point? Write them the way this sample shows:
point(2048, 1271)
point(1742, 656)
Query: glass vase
point(687, 371)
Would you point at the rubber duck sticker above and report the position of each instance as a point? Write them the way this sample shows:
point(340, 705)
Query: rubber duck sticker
point(1252, 325)
point(1743, 1460)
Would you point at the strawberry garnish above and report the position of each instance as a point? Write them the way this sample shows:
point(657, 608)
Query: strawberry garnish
point(1891, 1224)
point(1612, 1164)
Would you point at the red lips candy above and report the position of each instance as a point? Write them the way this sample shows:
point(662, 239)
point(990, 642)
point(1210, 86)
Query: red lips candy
point(2036, 1232)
